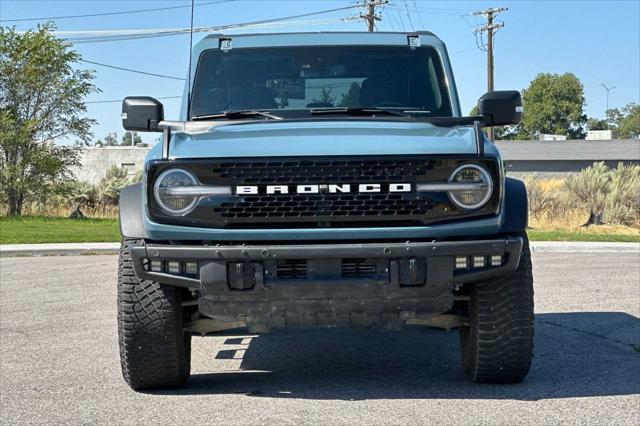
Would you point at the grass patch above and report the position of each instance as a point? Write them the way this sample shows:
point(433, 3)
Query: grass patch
point(593, 234)
point(38, 229)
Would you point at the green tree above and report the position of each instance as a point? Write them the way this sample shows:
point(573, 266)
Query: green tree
point(325, 97)
point(597, 124)
point(126, 139)
point(554, 104)
point(351, 99)
point(41, 100)
point(111, 139)
point(625, 120)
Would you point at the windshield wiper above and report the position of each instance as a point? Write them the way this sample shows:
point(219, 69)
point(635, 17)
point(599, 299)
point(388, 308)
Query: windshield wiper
point(368, 111)
point(233, 115)
point(455, 121)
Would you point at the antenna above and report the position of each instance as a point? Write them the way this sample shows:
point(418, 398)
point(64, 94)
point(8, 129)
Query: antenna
point(190, 54)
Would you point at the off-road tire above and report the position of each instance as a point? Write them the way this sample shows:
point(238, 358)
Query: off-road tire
point(497, 346)
point(155, 353)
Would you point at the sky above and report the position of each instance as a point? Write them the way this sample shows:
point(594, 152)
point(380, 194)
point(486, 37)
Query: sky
point(598, 41)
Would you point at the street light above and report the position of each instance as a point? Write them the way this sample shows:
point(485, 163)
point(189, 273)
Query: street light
point(608, 89)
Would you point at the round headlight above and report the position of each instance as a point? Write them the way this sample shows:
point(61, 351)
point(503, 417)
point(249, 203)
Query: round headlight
point(474, 186)
point(174, 202)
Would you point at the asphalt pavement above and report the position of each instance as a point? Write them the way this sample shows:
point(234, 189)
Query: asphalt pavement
point(59, 358)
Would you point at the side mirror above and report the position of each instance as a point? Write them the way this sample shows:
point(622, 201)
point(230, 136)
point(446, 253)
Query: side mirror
point(141, 114)
point(500, 107)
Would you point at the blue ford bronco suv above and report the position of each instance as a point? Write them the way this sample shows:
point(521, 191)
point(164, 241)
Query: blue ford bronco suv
point(323, 179)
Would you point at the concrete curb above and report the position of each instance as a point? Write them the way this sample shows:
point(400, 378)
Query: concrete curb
point(58, 249)
point(583, 247)
point(78, 249)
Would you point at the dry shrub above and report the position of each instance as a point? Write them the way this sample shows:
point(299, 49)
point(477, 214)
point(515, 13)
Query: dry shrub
point(64, 209)
point(623, 200)
point(597, 195)
point(542, 196)
point(551, 184)
point(96, 201)
point(110, 185)
point(550, 205)
point(589, 189)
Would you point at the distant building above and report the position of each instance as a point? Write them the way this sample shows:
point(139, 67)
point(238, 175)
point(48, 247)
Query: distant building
point(545, 137)
point(96, 161)
point(601, 135)
point(560, 158)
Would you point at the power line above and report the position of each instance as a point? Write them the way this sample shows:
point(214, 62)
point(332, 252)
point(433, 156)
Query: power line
point(406, 8)
point(123, 12)
point(394, 9)
point(432, 11)
point(153, 31)
point(463, 51)
point(164, 75)
point(439, 9)
point(118, 35)
point(395, 26)
point(382, 10)
point(130, 70)
point(419, 15)
point(90, 40)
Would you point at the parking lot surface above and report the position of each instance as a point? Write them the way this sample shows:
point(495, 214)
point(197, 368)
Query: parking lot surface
point(59, 358)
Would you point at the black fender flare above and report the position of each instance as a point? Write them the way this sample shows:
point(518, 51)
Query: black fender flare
point(516, 207)
point(131, 224)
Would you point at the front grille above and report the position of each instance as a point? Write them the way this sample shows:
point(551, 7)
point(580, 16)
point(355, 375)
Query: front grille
point(323, 210)
point(358, 268)
point(292, 269)
point(332, 205)
point(315, 171)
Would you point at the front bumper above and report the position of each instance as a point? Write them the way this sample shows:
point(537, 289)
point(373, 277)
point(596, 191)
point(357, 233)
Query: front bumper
point(441, 254)
point(326, 284)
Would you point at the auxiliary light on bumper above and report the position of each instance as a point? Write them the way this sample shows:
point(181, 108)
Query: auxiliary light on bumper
point(419, 263)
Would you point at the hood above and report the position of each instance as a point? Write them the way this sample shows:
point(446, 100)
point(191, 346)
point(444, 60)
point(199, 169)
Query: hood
point(320, 138)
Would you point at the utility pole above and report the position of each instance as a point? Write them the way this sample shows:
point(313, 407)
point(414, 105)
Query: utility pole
point(371, 16)
point(490, 28)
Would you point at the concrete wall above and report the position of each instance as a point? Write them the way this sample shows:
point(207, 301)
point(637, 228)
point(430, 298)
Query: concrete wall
point(96, 161)
point(546, 158)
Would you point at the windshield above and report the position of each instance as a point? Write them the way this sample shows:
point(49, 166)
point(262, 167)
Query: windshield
point(309, 78)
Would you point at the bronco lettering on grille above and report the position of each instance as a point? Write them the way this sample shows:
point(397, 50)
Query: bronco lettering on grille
point(324, 188)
